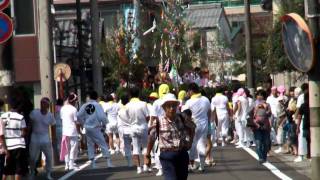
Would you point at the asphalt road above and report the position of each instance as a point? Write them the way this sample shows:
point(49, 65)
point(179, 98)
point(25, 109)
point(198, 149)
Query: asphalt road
point(231, 164)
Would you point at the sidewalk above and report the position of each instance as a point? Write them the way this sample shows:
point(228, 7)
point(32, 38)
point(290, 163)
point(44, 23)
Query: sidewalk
point(303, 167)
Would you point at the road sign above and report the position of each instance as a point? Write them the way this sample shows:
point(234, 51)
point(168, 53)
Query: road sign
point(6, 27)
point(298, 42)
point(4, 4)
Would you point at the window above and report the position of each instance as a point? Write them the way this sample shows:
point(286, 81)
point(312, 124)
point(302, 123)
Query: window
point(23, 16)
point(110, 22)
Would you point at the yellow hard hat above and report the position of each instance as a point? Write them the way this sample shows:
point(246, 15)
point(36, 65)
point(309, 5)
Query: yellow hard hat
point(163, 90)
point(154, 95)
point(182, 94)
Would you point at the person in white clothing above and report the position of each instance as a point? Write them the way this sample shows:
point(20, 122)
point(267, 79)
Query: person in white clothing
point(201, 113)
point(157, 109)
point(251, 105)
point(272, 100)
point(124, 128)
point(13, 145)
point(111, 108)
point(241, 111)
point(94, 120)
point(68, 115)
point(219, 104)
point(138, 116)
point(41, 120)
point(302, 141)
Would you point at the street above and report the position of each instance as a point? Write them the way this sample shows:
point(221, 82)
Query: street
point(231, 164)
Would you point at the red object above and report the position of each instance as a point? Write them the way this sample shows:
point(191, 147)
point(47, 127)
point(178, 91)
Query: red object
point(61, 93)
point(121, 53)
point(4, 4)
point(6, 27)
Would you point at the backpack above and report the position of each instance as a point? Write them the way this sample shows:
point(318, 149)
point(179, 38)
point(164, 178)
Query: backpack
point(187, 131)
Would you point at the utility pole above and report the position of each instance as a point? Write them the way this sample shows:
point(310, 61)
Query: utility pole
point(81, 64)
point(314, 90)
point(96, 61)
point(45, 55)
point(250, 79)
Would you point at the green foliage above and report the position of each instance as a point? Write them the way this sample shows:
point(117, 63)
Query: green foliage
point(170, 37)
point(277, 59)
point(270, 50)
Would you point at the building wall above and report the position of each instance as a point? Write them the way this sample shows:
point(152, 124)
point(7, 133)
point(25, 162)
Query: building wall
point(289, 79)
point(25, 42)
point(26, 59)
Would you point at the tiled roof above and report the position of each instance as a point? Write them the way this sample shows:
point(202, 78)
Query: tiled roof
point(203, 16)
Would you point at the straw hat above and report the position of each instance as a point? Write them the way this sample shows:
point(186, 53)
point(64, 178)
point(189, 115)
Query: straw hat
point(169, 98)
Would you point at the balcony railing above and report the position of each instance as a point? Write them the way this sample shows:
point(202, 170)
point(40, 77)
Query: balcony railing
point(226, 3)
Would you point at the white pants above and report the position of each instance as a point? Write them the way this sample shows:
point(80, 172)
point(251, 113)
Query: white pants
point(213, 133)
point(279, 137)
point(223, 126)
point(157, 154)
point(127, 141)
point(242, 131)
point(94, 136)
point(302, 143)
point(73, 151)
point(112, 127)
point(249, 135)
point(34, 151)
point(140, 141)
point(199, 142)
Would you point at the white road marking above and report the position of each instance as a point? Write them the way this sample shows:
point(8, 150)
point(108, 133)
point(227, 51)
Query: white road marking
point(68, 175)
point(268, 165)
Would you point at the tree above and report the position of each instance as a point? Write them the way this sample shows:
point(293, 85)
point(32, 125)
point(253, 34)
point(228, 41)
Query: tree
point(268, 52)
point(276, 58)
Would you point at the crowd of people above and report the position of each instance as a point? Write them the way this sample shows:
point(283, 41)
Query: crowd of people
point(176, 135)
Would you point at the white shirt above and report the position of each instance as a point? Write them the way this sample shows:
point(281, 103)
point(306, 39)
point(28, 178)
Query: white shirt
point(150, 110)
point(92, 115)
point(251, 104)
point(124, 124)
point(243, 110)
point(300, 100)
point(199, 107)
point(273, 102)
point(13, 124)
point(111, 108)
point(68, 115)
point(157, 109)
point(220, 103)
point(137, 112)
point(40, 125)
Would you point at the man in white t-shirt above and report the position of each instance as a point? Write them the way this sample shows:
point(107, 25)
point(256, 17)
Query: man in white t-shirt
point(14, 132)
point(201, 113)
point(41, 121)
point(111, 108)
point(304, 89)
point(124, 128)
point(70, 134)
point(272, 100)
point(219, 104)
point(94, 120)
point(138, 116)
